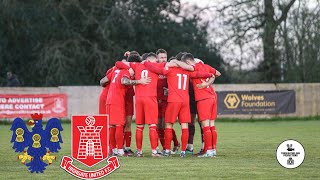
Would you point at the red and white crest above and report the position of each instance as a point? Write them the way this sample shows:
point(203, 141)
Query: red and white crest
point(90, 139)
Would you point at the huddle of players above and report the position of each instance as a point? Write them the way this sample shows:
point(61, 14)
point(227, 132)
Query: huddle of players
point(162, 96)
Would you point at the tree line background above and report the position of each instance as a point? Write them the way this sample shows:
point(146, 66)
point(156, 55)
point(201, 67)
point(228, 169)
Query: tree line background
point(53, 43)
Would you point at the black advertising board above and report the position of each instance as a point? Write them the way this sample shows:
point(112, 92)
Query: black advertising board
point(256, 102)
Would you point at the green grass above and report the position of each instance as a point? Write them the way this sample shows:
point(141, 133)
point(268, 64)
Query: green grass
point(270, 119)
point(246, 150)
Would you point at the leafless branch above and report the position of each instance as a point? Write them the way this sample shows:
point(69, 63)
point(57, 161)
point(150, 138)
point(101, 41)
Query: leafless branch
point(237, 3)
point(285, 11)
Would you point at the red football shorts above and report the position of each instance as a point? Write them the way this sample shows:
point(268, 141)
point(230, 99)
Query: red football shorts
point(162, 106)
point(178, 109)
point(129, 106)
point(116, 114)
point(207, 109)
point(146, 110)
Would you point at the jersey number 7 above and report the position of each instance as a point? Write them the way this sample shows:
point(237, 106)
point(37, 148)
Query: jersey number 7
point(115, 76)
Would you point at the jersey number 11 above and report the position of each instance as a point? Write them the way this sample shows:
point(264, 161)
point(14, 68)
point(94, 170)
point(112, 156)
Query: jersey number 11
point(184, 77)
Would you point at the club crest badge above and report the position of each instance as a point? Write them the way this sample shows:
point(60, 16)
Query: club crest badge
point(37, 144)
point(90, 137)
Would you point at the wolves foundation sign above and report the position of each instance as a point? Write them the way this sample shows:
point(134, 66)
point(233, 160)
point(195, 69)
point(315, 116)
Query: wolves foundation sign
point(256, 102)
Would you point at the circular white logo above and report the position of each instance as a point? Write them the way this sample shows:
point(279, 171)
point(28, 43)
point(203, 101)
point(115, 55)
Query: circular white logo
point(290, 154)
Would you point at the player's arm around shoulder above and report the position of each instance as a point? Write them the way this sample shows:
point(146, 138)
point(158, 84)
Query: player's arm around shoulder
point(153, 67)
point(122, 65)
point(104, 81)
point(217, 73)
point(200, 74)
point(213, 70)
point(183, 65)
point(210, 81)
point(129, 82)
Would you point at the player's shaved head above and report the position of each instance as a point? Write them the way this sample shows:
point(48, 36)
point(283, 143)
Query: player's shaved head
point(161, 51)
point(151, 54)
point(134, 58)
point(152, 57)
point(144, 56)
point(179, 55)
point(187, 57)
point(134, 52)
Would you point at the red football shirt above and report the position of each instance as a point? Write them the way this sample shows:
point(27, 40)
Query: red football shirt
point(117, 91)
point(140, 71)
point(178, 81)
point(130, 91)
point(204, 93)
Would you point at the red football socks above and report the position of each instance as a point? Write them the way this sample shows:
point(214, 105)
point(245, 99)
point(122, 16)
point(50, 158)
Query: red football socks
point(207, 137)
point(139, 136)
point(153, 136)
point(184, 139)
point(214, 137)
point(168, 138)
point(119, 136)
point(112, 140)
point(127, 138)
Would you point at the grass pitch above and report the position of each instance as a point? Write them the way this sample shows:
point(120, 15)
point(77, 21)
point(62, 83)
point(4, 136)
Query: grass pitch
point(246, 150)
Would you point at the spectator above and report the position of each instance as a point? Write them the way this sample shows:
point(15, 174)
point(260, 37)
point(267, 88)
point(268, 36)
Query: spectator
point(12, 80)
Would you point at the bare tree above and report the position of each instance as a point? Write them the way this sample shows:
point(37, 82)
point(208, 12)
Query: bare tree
point(300, 43)
point(256, 21)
